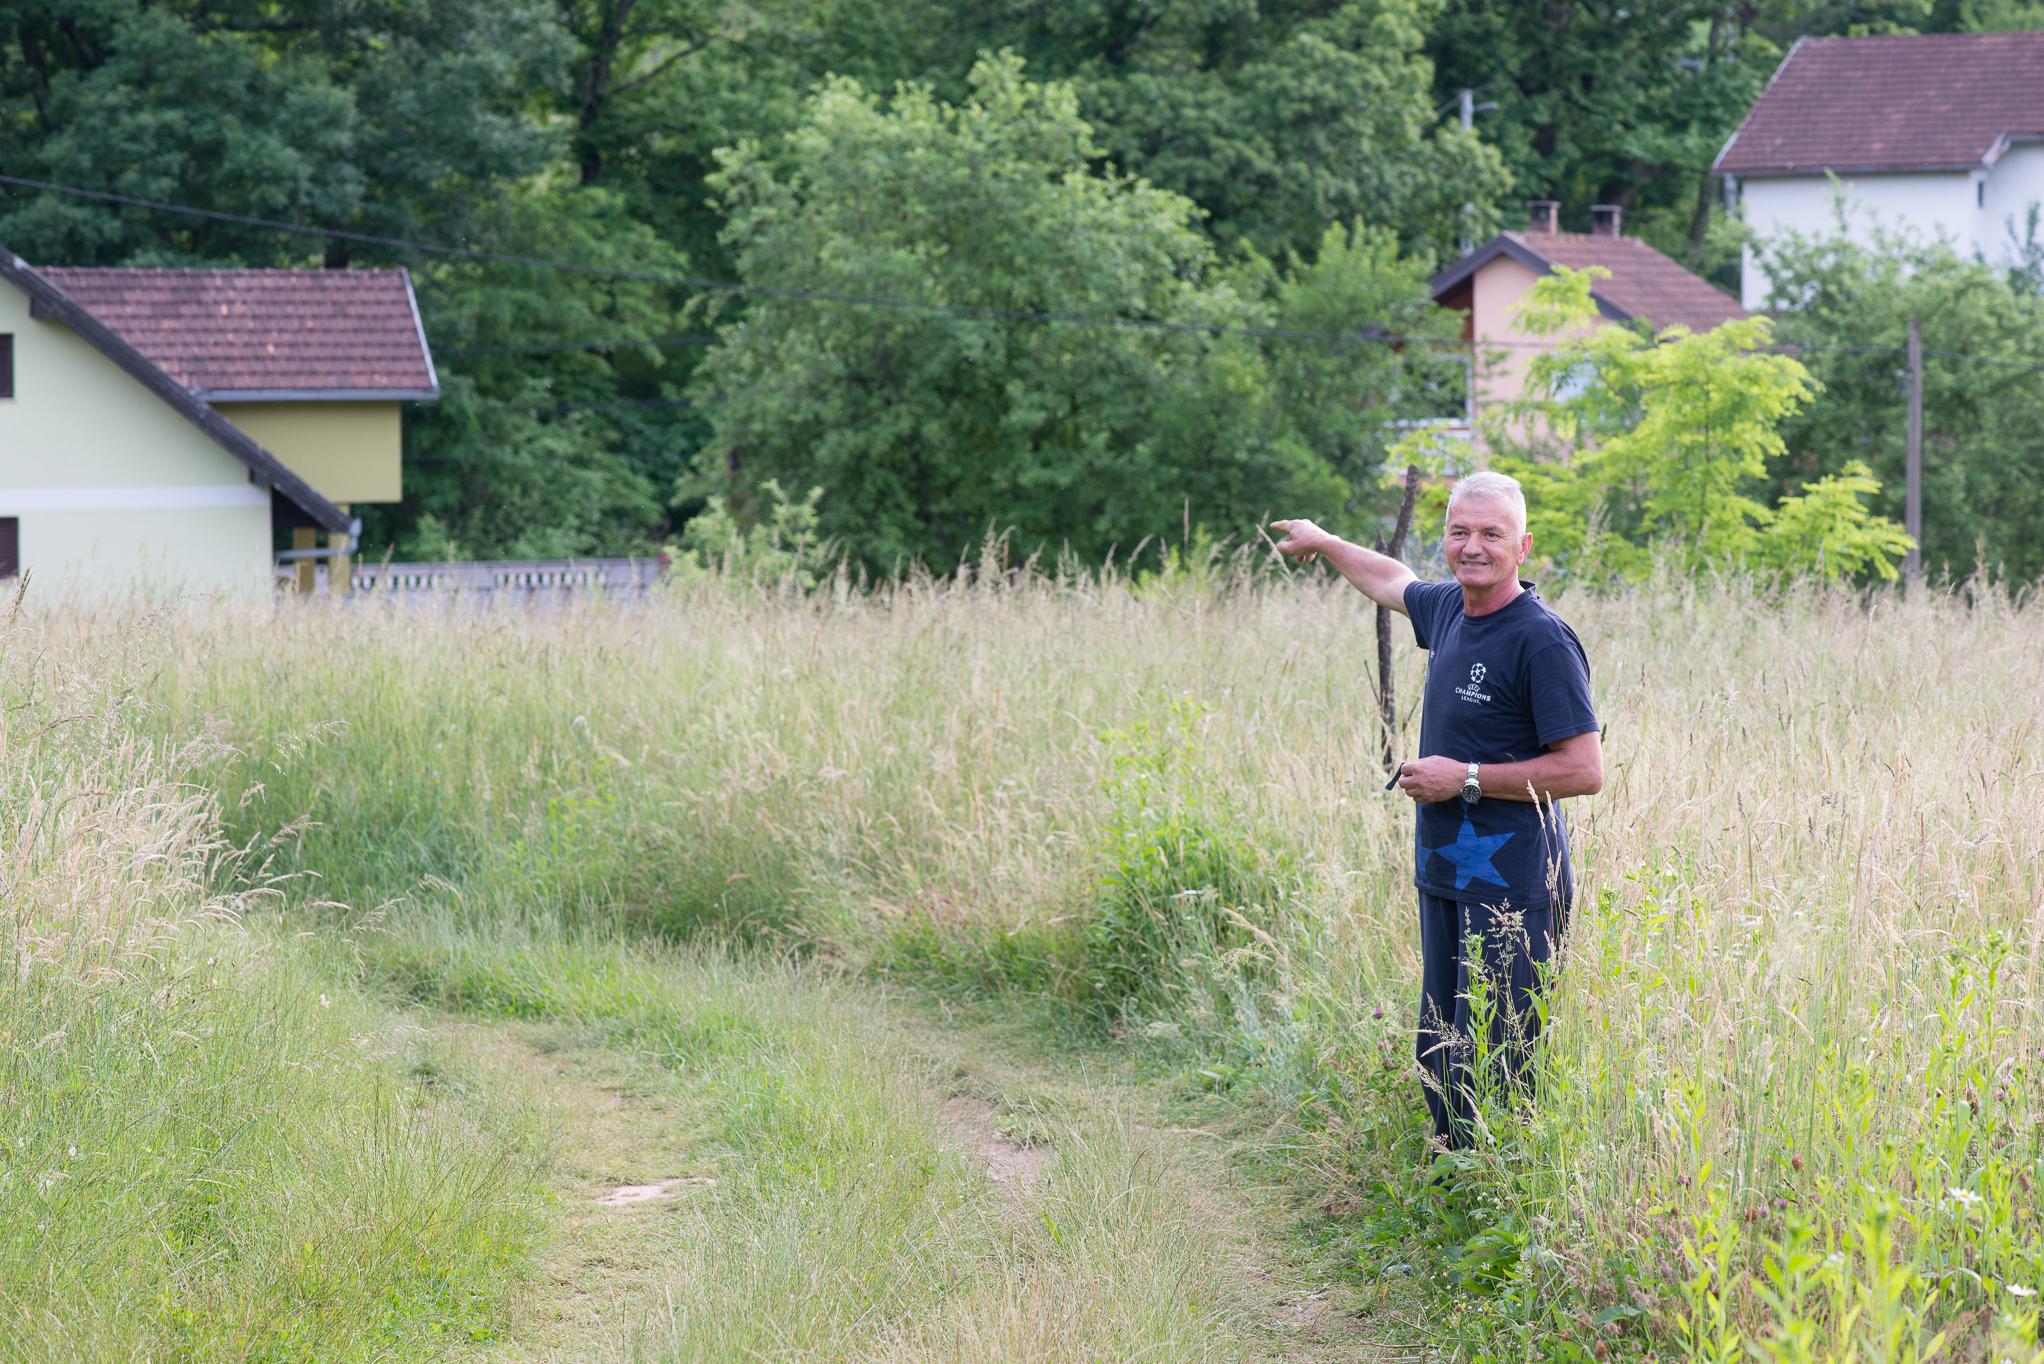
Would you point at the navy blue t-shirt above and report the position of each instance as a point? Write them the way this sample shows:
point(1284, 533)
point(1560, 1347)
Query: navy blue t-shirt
point(1500, 688)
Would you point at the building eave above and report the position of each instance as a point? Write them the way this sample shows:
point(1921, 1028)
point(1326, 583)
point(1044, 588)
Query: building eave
point(1881, 168)
point(419, 326)
point(317, 395)
point(1505, 244)
point(264, 468)
point(1717, 165)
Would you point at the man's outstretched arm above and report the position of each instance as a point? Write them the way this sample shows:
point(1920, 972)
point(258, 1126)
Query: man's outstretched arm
point(1379, 577)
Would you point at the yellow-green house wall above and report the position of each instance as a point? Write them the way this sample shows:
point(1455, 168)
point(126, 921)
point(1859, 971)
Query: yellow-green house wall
point(348, 451)
point(114, 490)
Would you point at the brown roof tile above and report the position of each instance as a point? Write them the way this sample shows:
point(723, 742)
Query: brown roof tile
point(305, 332)
point(1924, 102)
point(1644, 283)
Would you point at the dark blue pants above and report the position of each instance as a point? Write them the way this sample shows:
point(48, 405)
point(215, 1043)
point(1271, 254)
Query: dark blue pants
point(1515, 947)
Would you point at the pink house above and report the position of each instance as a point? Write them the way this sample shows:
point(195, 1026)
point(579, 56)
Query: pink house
point(1485, 286)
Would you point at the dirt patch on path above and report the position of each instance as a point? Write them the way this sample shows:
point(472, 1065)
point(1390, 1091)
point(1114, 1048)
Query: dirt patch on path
point(627, 1195)
point(975, 1125)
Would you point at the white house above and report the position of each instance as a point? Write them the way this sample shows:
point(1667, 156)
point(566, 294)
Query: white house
point(172, 429)
point(1938, 134)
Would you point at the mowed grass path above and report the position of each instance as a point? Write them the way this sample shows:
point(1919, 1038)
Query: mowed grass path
point(755, 1162)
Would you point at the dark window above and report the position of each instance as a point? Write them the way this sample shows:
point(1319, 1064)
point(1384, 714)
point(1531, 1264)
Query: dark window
point(6, 365)
point(1980, 194)
point(10, 546)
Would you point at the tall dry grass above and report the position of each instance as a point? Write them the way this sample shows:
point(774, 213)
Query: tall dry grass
point(209, 1151)
point(1791, 1101)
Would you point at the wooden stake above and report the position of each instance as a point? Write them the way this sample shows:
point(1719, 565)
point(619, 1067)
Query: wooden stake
point(1387, 682)
point(304, 538)
point(1912, 513)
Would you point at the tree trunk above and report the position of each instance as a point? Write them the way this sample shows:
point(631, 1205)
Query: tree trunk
point(1699, 221)
point(603, 49)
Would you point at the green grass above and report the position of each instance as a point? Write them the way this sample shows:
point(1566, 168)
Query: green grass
point(1791, 1093)
point(848, 1218)
point(222, 1156)
point(213, 1150)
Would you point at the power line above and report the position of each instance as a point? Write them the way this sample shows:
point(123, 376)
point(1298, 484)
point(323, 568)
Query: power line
point(1988, 360)
point(1370, 334)
point(549, 348)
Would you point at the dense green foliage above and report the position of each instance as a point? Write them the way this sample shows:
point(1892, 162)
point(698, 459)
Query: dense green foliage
point(1983, 423)
point(1290, 165)
point(930, 429)
point(1629, 443)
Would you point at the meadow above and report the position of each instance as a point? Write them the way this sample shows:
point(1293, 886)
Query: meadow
point(269, 868)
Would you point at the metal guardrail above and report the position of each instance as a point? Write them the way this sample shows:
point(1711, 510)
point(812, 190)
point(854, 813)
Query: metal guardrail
point(502, 579)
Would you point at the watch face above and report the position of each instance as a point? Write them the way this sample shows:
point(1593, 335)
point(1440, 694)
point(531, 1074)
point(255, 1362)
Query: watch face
point(1470, 792)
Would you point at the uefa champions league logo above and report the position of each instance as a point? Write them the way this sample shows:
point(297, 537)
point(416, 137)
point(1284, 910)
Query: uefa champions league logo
point(1476, 674)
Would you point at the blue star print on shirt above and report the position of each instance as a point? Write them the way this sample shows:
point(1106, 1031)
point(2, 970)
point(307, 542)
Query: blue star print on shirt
point(1471, 853)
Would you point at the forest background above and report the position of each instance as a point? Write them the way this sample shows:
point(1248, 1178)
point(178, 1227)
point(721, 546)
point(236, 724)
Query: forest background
point(1031, 187)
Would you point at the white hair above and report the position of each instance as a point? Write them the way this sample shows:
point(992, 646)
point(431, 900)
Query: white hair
point(1502, 487)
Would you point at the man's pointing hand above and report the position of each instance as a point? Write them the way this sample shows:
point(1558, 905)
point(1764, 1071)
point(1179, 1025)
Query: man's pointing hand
point(1303, 540)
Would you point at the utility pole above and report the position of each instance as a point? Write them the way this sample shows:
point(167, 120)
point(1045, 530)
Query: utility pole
point(1466, 100)
point(1912, 506)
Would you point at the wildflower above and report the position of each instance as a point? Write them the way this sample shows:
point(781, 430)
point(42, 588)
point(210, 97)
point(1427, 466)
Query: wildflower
point(1795, 1160)
point(1965, 1198)
point(2021, 1290)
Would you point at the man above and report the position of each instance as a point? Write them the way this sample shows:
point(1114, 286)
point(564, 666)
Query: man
point(1506, 730)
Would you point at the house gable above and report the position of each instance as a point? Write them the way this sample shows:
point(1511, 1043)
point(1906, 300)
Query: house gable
point(47, 305)
point(104, 489)
point(1644, 284)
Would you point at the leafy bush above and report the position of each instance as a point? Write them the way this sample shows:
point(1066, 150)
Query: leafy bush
point(1186, 895)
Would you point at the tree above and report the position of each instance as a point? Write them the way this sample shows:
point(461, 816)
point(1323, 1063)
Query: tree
point(385, 118)
point(1350, 399)
point(1672, 436)
point(1603, 102)
point(1276, 118)
point(929, 426)
point(1848, 307)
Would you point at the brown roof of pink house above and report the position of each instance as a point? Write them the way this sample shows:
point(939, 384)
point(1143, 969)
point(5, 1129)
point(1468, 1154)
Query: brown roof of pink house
point(226, 334)
point(1644, 283)
point(1940, 101)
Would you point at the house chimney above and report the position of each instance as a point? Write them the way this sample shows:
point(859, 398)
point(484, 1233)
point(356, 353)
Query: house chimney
point(1541, 215)
point(1605, 219)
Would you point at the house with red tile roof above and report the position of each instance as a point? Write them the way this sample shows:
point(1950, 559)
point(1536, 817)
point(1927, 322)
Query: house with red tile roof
point(173, 428)
point(1487, 284)
point(1935, 134)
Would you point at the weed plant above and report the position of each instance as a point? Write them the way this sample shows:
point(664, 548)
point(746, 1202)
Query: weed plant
point(1790, 1098)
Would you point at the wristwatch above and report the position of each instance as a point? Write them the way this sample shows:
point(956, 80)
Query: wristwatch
point(1472, 789)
